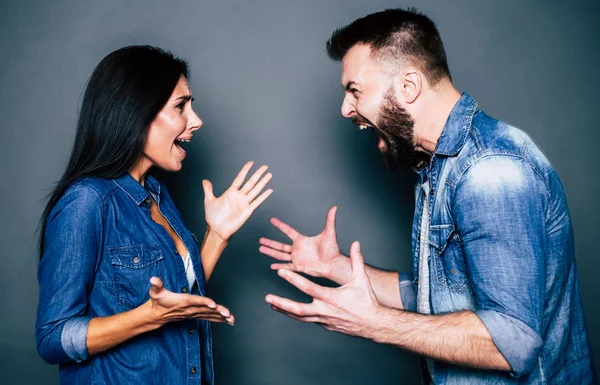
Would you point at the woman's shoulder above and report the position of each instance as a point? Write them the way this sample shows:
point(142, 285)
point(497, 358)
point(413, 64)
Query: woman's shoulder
point(90, 188)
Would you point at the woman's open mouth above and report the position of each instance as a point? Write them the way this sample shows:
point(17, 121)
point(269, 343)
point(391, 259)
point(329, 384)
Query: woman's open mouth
point(180, 143)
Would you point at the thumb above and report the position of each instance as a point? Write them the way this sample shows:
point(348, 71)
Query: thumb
point(357, 261)
point(330, 223)
point(157, 286)
point(208, 189)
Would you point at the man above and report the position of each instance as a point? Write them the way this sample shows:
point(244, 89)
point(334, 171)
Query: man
point(494, 297)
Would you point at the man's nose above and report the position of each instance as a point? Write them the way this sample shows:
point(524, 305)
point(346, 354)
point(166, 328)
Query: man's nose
point(347, 108)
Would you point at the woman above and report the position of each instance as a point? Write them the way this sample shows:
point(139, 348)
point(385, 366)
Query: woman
point(122, 281)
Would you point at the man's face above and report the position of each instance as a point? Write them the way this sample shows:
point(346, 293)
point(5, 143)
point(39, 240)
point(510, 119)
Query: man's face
point(370, 102)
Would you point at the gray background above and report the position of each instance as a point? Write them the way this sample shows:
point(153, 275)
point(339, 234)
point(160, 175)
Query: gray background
point(267, 92)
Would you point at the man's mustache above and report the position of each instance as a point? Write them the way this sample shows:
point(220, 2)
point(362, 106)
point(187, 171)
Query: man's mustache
point(359, 120)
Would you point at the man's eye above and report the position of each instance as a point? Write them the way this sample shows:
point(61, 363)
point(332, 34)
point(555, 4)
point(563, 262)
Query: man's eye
point(354, 91)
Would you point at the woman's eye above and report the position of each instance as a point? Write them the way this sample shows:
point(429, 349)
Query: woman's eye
point(181, 106)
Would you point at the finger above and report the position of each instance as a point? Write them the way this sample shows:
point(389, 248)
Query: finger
point(156, 286)
point(259, 187)
point(259, 201)
point(254, 179)
point(304, 285)
point(289, 266)
point(330, 222)
point(199, 301)
point(211, 318)
point(275, 245)
point(285, 228)
point(223, 311)
point(206, 313)
point(208, 190)
point(357, 260)
point(296, 308)
point(297, 318)
point(239, 179)
point(275, 254)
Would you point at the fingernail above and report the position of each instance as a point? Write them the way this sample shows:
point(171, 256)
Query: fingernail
point(212, 306)
point(224, 314)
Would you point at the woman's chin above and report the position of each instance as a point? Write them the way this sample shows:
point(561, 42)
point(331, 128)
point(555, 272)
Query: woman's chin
point(173, 166)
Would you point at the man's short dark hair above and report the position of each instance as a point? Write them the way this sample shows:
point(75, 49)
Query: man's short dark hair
point(397, 37)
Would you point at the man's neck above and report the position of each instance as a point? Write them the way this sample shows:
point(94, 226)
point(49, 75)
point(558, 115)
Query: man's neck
point(437, 107)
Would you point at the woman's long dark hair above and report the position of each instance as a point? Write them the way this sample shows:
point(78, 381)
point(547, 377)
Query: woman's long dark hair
point(126, 91)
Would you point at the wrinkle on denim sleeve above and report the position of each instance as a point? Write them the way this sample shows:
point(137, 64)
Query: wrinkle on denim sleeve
point(408, 294)
point(65, 274)
point(513, 338)
point(499, 207)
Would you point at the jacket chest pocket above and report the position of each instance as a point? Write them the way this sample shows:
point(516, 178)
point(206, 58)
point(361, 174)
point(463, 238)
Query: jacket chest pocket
point(132, 268)
point(449, 259)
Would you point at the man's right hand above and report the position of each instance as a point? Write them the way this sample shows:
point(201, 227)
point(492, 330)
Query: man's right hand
point(318, 256)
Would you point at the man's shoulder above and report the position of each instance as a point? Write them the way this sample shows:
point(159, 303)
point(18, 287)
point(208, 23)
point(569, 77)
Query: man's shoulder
point(497, 145)
point(488, 135)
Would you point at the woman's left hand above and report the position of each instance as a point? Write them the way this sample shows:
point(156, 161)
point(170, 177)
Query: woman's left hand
point(227, 213)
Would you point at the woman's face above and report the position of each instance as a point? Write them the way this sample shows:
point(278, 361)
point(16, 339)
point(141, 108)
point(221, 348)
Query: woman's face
point(171, 129)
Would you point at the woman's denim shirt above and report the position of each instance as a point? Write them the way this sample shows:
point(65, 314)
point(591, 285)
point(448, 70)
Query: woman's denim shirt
point(101, 249)
point(501, 245)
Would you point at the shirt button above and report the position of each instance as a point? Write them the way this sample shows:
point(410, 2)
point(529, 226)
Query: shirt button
point(184, 290)
point(193, 370)
point(176, 252)
point(191, 331)
point(452, 271)
point(136, 260)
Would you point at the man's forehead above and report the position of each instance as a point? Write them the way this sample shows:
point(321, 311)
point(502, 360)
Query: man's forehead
point(356, 64)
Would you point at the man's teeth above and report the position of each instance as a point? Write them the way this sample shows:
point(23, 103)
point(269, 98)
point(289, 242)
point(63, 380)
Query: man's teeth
point(362, 127)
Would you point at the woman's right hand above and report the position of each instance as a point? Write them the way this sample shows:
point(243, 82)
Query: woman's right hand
point(168, 306)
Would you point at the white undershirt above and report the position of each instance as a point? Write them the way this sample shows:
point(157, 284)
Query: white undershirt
point(424, 289)
point(189, 270)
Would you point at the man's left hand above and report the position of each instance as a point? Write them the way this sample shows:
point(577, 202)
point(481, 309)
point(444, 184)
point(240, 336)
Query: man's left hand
point(350, 309)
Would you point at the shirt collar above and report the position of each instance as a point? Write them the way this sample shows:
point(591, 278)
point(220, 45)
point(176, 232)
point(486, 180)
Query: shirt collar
point(135, 190)
point(457, 126)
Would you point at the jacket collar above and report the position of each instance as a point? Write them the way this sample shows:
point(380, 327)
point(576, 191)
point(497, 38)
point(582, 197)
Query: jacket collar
point(135, 190)
point(457, 126)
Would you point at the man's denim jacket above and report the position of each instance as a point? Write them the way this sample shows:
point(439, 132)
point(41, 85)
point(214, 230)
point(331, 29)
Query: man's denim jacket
point(501, 245)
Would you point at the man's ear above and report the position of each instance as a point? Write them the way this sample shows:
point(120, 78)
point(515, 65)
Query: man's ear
point(408, 85)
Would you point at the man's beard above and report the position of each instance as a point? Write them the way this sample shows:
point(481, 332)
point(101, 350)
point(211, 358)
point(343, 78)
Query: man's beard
point(396, 128)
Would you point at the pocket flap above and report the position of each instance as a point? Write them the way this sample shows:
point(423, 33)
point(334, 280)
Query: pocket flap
point(134, 257)
point(439, 236)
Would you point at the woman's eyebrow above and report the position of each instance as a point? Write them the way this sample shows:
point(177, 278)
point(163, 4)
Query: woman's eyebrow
point(185, 98)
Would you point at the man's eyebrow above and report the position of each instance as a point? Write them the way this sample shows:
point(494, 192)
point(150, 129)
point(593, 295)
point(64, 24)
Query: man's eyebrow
point(349, 85)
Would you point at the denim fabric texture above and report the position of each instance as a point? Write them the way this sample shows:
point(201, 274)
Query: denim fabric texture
point(101, 249)
point(501, 245)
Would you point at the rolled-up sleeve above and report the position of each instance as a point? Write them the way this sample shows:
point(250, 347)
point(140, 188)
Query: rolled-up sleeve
point(66, 273)
point(408, 294)
point(499, 207)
